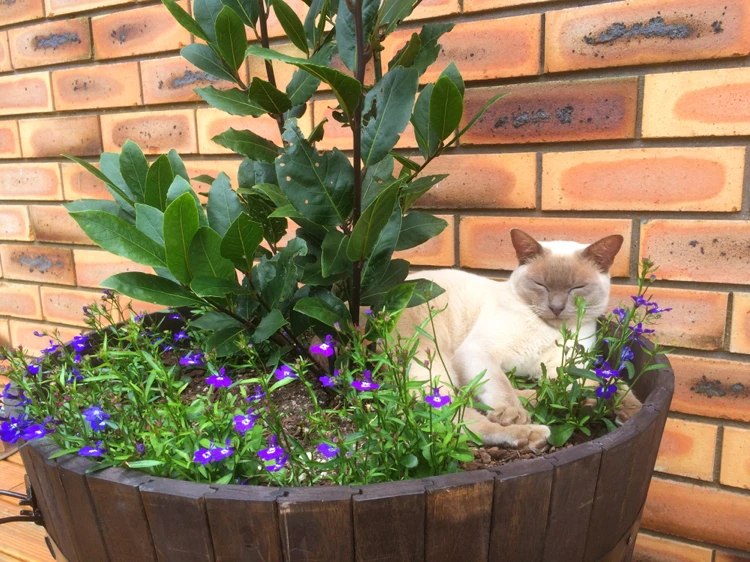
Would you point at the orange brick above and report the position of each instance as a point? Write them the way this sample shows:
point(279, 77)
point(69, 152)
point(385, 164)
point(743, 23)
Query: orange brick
point(65, 306)
point(711, 250)
point(20, 301)
point(4, 340)
point(38, 263)
point(50, 43)
point(482, 50)
point(22, 334)
point(696, 321)
point(481, 5)
point(740, 335)
point(30, 181)
point(137, 32)
point(710, 387)
point(57, 7)
point(5, 65)
point(212, 168)
point(14, 223)
point(645, 31)
point(439, 250)
point(485, 241)
point(25, 93)
point(77, 136)
point(80, 184)
point(644, 179)
point(212, 122)
point(94, 266)
point(20, 10)
point(10, 144)
point(697, 512)
point(434, 8)
point(89, 87)
point(482, 181)
point(553, 112)
point(730, 557)
point(687, 449)
point(274, 27)
point(155, 132)
point(702, 103)
point(282, 72)
point(735, 458)
point(657, 549)
point(53, 224)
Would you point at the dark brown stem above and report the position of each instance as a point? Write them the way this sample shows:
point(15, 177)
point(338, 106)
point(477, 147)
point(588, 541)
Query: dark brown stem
point(262, 18)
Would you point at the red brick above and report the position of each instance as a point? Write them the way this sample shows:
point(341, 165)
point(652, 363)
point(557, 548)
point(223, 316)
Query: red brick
point(81, 184)
point(15, 223)
point(711, 387)
point(38, 263)
point(482, 181)
point(697, 512)
point(553, 112)
point(21, 10)
point(10, 144)
point(50, 43)
point(644, 179)
point(90, 87)
point(696, 321)
point(687, 449)
point(212, 122)
point(657, 549)
point(701, 103)
point(94, 266)
point(25, 93)
point(65, 306)
point(57, 7)
point(22, 334)
point(731, 557)
point(212, 168)
point(137, 32)
point(282, 71)
point(20, 301)
point(740, 335)
point(704, 250)
point(77, 136)
point(481, 5)
point(53, 224)
point(485, 241)
point(439, 250)
point(581, 37)
point(155, 132)
point(5, 65)
point(735, 458)
point(30, 181)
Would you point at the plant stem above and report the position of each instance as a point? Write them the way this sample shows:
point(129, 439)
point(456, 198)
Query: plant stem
point(262, 18)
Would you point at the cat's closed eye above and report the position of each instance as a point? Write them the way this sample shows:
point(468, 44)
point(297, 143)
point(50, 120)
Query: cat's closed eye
point(576, 288)
point(542, 285)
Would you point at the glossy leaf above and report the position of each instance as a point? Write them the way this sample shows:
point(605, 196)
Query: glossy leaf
point(398, 298)
point(346, 37)
point(150, 221)
point(320, 310)
point(395, 12)
point(291, 25)
point(126, 196)
point(214, 286)
point(204, 256)
point(374, 218)
point(303, 85)
point(179, 187)
point(206, 12)
point(271, 323)
point(224, 342)
point(233, 101)
point(333, 258)
point(377, 178)
point(134, 168)
point(246, 9)
point(427, 138)
point(267, 96)
point(417, 228)
point(451, 71)
point(178, 166)
point(407, 54)
point(110, 207)
point(158, 180)
point(424, 291)
point(276, 279)
point(214, 320)
point(230, 37)
point(418, 187)
point(377, 262)
point(430, 49)
point(204, 58)
point(223, 206)
point(184, 19)
point(241, 240)
point(446, 108)
point(395, 273)
point(180, 225)
point(150, 288)
point(247, 143)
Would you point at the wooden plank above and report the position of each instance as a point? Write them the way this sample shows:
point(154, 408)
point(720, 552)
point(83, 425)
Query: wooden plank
point(244, 523)
point(575, 475)
point(23, 542)
point(316, 524)
point(66, 542)
point(459, 517)
point(389, 522)
point(11, 478)
point(86, 531)
point(119, 508)
point(521, 500)
point(177, 519)
point(623, 550)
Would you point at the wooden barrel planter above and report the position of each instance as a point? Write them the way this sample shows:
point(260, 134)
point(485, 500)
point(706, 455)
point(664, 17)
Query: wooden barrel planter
point(583, 503)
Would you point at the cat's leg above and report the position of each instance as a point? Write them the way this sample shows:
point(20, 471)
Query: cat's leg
point(628, 407)
point(529, 436)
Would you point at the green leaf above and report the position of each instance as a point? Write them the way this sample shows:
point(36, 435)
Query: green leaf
point(205, 178)
point(319, 185)
point(481, 112)
point(559, 434)
point(146, 463)
point(204, 58)
point(246, 9)
point(346, 37)
point(267, 96)
point(224, 341)
point(446, 108)
point(276, 278)
point(371, 223)
point(233, 101)
point(378, 261)
point(230, 37)
point(150, 288)
point(134, 168)
point(427, 139)
point(158, 180)
point(317, 133)
point(396, 273)
point(248, 143)
point(291, 25)
point(213, 321)
point(393, 98)
point(395, 12)
point(241, 240)
point(303, 85)
point(258, 209)
point(179, 187)
point(451, 71)
point(320, 310)
point(109, 164)
point(409, 461)
point(406, 55)
point(110, 207)
point(269, 325)
point(418, 187)
point(272, 191)
point(150, 221)
point(180, 225)
point(377, 178)
point(407, 163)
point(206, 12)
point(214, 286)
point(111, 185)
point(398, 298)
point(119, 237)
point(223, 206)
point(184, 19)
point(424, 291)
point(204, 256)
point(346, 89)
point(333, 258)
point(178, 166)
point(430, 50)
point(417, 228)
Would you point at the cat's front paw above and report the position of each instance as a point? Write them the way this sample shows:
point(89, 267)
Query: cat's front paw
point(533, 437)
point(509, 415)
point(629, 406)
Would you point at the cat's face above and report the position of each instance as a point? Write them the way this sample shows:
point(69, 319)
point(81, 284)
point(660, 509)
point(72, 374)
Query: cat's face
point(551, 274)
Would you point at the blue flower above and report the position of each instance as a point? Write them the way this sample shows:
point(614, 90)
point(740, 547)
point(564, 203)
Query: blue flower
point(437, 400)
point(654, 309)
point(77, 358)
point(51, 348)
point(33, 369)
point(80, 343)
point(638, 330)
point(181, 335)
point(92, 451)
point(620, 313)
point(368, 311)
point(220, 453)
point(6, 393)
point(278, 465)
point(203, 456)
point(76, 375)
point(13, 429)
point(328, 451)
point(191, 359)
point(96, 417)
point(175, 316)
point(606, 391)
point(367, 384)
point(284, 372)
point(242, 424)
point(639, 300)
point(326, 348)
point(220, 380)
point(257, 396)
point(35, 431)
point(626, 354)
point(606, 371)
point(140, 449)
point(272, 452)
point(327, 381)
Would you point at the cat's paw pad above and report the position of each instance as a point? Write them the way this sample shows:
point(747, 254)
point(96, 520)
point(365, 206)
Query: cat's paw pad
point(533, 437)
point(629, 407)
point(509, 415)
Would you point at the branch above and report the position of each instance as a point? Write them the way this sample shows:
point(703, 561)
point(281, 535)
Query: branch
point(262, 18)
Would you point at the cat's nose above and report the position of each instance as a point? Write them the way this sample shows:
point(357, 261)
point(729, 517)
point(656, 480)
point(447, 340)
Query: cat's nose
point(556, 308)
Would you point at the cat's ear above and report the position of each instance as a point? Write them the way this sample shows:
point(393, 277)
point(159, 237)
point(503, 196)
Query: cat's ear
point(526, 247)
point(603, 252)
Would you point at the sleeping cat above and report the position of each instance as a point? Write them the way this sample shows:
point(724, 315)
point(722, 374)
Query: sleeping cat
point(499, 326)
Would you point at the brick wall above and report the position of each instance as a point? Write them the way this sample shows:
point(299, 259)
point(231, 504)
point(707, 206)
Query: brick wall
point(627, 117)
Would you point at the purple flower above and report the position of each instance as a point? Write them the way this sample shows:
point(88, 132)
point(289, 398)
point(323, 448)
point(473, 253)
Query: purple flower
point(654, 309)
point(328, 451)
point(181, 335)
point(38, 334)
point(278, 465)
point(620, 313)
point(220, 380)
point(437, 400)
point(284, 372)
point(626, 354)
point(80, 343)
point(638, 330)
point(272, 452)
point(639, 300)
point(175, 316)
point(33, 369)
point(6, 393)
point(77, 358)
point(191, 359)
point(51, 348)
point(35, 431)
point(92, 451)
point(367, 384)
point(140, 449)
point(606, 391)
point(368, 311)
point(606, 371)
point(203, 456)
point(76, 375)
point(242, 424)
point(327, 381)
point(220, 453)
point(108, 293)
point(325, 348)
point(257, 396)
point(96, 417)
point(13, 429)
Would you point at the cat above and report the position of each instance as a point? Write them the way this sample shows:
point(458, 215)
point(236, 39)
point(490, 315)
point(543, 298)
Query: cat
point(498, 326)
